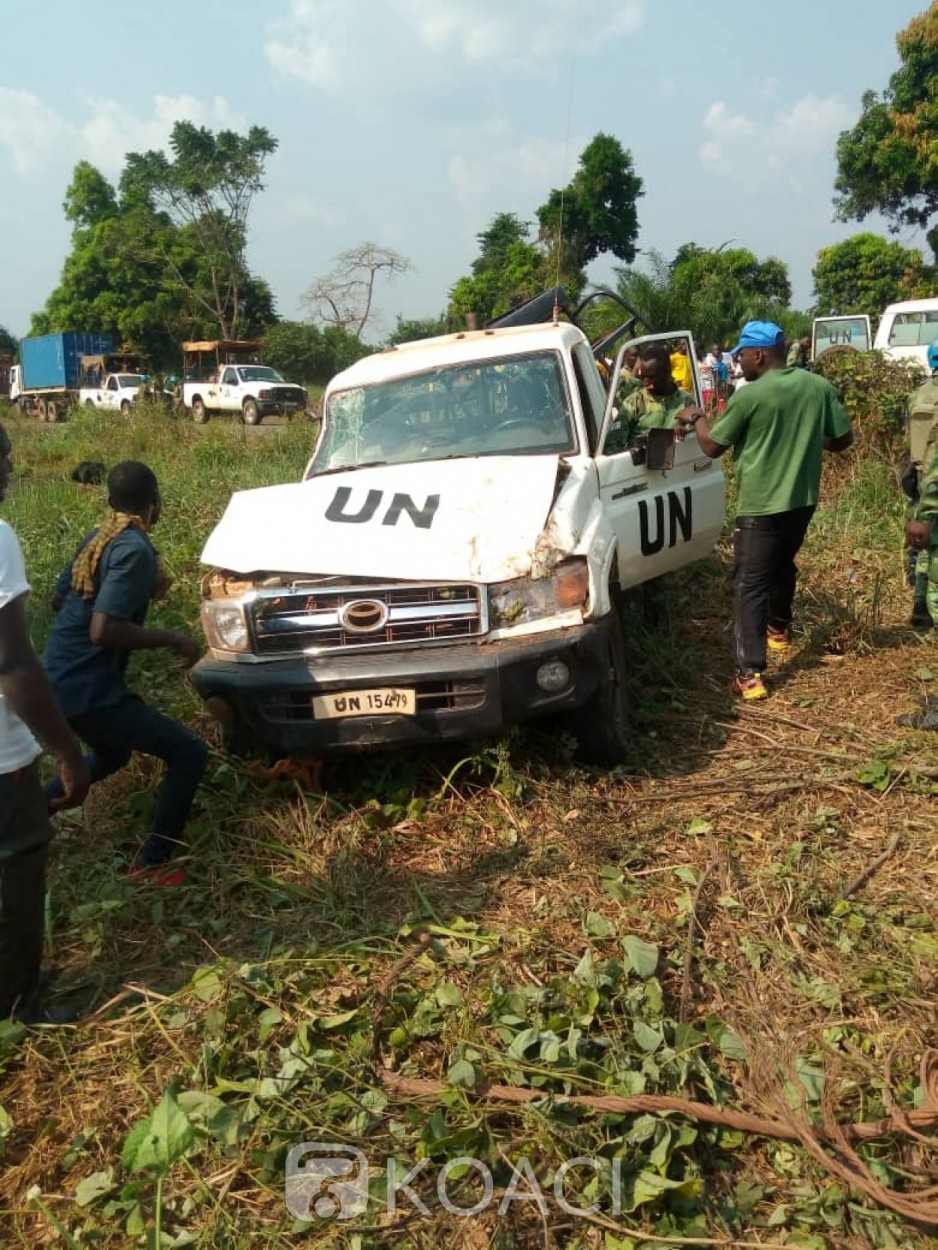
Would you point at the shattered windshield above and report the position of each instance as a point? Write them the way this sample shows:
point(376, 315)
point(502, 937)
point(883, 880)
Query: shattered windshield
point(259, 373)
point(487, 408)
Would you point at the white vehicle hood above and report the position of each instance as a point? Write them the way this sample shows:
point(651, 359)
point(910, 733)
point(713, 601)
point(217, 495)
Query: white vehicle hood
point(475, 519)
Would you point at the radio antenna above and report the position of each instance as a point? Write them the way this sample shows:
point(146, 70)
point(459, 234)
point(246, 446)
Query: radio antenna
point(566, 147)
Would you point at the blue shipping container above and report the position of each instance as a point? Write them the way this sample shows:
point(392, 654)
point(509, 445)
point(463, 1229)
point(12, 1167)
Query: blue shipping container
point(52, 361)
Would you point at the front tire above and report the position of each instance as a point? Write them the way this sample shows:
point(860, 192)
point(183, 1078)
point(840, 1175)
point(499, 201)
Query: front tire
point(601, 724)
point(199, 411)
point(250, 413)
point(125, 407)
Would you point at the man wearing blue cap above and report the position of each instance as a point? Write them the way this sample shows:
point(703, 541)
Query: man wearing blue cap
point(778, 431)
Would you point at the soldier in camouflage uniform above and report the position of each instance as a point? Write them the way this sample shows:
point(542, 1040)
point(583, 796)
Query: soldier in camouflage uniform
point(655, 405)
point(922, 533)
point(922, 433)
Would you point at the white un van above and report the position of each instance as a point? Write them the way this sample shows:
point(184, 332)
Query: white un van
point(906, 329)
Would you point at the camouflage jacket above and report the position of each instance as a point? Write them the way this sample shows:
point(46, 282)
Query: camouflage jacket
point(927, 507)
point(643, 411)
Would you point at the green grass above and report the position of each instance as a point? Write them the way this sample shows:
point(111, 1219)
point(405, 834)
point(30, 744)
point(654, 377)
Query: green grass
point(271, 993)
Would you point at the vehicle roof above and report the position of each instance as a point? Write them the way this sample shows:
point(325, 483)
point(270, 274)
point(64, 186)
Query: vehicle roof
point(454, 349)
point(913, 305)
point(222, 345)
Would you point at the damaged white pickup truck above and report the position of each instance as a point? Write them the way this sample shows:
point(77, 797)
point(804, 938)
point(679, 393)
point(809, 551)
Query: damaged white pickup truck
point(451, 562)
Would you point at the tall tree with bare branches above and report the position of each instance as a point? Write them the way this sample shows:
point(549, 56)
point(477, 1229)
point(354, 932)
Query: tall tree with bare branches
point(344, 296)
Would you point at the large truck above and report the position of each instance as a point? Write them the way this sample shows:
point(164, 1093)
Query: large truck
point(48, 378)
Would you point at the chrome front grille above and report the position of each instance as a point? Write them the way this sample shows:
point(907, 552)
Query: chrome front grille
point(315, 619)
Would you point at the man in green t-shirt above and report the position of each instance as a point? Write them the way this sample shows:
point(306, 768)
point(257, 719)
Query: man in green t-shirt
point(778, 431)
point(654, 405)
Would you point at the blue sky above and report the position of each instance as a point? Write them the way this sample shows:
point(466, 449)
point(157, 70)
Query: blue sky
point(412, 122)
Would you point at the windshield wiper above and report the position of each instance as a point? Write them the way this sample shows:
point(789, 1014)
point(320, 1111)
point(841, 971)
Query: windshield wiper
point(345, 468)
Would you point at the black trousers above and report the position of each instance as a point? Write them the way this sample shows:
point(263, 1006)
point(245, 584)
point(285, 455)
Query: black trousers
point(764, 578)
point(114, 733)
point(24, 842)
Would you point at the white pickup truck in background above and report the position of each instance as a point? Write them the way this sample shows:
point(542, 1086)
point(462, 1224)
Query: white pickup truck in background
point(116, 392)
point(251, 390)
point(453, 559)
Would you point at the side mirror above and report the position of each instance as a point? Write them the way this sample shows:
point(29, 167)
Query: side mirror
point(660, 454)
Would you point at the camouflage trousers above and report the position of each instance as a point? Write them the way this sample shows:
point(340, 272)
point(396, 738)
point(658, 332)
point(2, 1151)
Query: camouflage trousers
point(926, 578)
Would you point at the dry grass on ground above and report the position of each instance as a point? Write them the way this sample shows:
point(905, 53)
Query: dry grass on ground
point(303, 910)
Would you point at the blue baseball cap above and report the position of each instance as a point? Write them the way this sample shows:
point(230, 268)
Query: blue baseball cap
point(760, 334)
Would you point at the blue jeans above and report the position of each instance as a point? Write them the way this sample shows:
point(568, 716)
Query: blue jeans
point(113, 733)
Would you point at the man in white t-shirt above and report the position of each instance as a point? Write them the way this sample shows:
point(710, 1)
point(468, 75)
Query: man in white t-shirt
point(29, 716)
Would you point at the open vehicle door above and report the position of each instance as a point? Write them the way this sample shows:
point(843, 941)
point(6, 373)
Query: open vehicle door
point(661, 494)
point(840, 334)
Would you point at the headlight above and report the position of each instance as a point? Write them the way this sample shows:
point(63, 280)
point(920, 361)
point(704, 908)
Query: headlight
point(222, 612)
point(263, 394)
point(224, 625)
point(526, 599)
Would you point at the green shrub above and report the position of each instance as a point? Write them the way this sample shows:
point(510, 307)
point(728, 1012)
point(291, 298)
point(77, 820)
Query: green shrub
point(875, 391)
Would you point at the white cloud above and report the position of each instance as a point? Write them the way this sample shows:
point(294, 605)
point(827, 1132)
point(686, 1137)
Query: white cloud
point(319, 42)
point(737, 143)
point(810, 126)
point(30, 129)
point(37, 135)
point(300, 208)
point(111, 131)
point(522, 164)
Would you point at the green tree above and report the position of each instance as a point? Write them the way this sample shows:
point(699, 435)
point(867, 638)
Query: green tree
point(7, 339)
point(154, 281)
point(767, 279)
point(865, 273)
point(409, 329)
point(888, 162)
point(205, 191)
point(712, 294)
point(508, 269)
point(305, 352)
point(597, 211)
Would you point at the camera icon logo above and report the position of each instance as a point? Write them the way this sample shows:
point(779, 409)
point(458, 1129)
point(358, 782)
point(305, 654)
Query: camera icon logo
point(326, 1180)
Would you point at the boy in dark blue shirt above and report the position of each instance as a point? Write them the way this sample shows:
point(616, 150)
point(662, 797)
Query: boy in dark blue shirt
point(101, 601)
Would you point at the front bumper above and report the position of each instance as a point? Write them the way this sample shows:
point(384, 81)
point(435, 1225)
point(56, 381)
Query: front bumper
point(280, 407)
point(462, 690)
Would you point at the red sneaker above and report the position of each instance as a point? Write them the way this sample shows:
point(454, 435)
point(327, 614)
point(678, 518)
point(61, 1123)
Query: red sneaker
point(163, 875)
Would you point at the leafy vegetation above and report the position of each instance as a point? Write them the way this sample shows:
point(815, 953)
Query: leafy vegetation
point(887, 163)
point(162, 259)
point(595, 214)
point(710, 293)
point(875, 391)
point(492, 914)
point(305, 352)
point(865, 273)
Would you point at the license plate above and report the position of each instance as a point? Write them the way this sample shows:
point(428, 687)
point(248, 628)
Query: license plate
point(365, 703)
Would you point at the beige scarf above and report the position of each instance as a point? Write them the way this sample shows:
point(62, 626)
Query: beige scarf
point(87, 561)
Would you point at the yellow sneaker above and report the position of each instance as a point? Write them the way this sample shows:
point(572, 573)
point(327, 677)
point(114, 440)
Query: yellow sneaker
point(777, 641)
point(750, 686)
